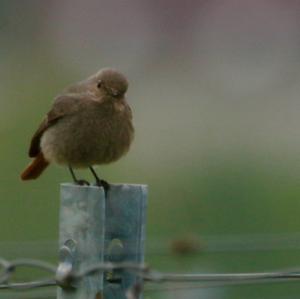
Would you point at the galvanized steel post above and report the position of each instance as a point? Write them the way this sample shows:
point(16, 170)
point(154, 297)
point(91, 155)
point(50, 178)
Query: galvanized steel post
point(96, 229)
point(124, 235)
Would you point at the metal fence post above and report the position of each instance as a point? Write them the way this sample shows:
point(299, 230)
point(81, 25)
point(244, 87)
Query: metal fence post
point(81, 237)
point(124, 235)
point(96, 229)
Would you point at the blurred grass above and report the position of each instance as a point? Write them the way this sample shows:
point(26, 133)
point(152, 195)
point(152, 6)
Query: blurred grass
point(223, 198)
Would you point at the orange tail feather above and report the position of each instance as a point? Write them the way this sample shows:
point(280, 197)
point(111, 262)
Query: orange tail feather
point(35, 168)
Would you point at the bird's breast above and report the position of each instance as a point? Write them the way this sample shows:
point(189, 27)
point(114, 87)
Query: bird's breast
point(89, 137)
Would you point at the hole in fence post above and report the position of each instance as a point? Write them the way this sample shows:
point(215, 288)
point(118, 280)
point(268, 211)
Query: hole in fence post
point(115, 253)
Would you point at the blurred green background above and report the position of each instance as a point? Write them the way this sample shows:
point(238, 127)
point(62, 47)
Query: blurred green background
point(214, 88)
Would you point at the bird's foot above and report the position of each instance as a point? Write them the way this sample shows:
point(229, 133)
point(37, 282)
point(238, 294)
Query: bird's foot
point(105, 185)
point(82, 183)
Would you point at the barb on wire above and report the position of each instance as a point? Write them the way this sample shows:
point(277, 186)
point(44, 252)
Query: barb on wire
point(145, 273)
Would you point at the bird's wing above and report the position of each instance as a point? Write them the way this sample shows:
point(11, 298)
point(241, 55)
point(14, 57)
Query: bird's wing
point(63, 105)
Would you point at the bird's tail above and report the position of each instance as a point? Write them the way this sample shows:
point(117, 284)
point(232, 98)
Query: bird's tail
point(35, 168)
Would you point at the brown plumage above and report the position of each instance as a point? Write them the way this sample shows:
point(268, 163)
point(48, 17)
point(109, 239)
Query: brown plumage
point(36, 167)
point(90, 123)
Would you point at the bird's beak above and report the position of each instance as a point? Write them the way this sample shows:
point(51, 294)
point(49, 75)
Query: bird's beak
point(114, 92)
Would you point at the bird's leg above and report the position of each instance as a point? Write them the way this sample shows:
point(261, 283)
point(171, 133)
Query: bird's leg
point(99, 182)
point(76, 181)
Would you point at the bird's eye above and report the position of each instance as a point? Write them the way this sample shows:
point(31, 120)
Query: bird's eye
point(99, 84)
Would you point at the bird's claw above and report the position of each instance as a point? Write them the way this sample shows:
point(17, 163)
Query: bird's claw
point(82, 183)
point(105, 185)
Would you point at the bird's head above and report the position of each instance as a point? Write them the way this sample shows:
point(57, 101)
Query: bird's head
point(110, 82)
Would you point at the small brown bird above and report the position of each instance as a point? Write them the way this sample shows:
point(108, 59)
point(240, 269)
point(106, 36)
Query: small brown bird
point(90, 123)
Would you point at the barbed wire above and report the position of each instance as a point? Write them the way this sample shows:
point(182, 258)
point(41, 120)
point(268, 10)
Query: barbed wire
point(145, 273)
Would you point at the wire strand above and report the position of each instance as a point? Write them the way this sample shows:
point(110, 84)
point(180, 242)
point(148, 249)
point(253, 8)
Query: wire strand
point(140, 270)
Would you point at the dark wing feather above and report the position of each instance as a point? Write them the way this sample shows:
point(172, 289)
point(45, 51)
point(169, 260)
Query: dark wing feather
point(34, 148)
point(63, 105)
